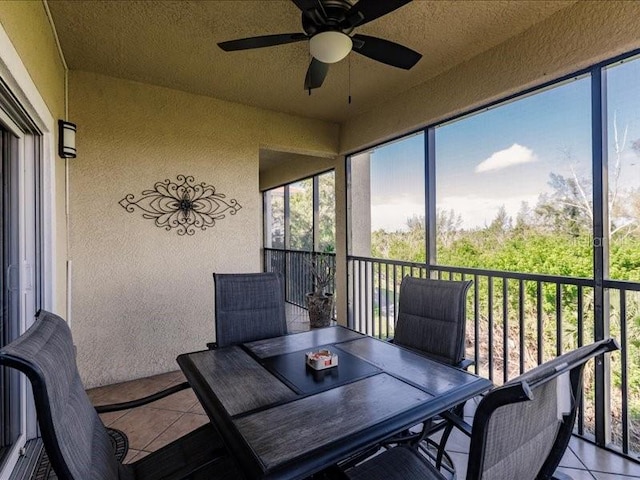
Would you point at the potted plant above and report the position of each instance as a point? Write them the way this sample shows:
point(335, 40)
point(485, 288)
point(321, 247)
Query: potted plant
point(320, 302)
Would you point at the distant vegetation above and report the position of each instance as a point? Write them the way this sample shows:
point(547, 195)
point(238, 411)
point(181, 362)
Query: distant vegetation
point(553, 237)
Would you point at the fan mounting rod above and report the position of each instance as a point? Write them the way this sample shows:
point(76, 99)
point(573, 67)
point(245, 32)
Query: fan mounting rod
point(328, 16)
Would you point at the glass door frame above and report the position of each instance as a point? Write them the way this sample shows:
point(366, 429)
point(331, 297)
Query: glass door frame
point(24, 112)
point(14, 255)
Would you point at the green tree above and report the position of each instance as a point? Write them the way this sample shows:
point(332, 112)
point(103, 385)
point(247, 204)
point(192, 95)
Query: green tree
point(568, 209)
point(301, 215)
point(275, 216)
point(448, 227)
point(407, 244)
point(327, 212)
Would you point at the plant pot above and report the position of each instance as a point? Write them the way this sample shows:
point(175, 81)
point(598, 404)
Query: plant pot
point(320, 309)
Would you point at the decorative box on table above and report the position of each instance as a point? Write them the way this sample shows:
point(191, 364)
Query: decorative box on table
point(321, 359)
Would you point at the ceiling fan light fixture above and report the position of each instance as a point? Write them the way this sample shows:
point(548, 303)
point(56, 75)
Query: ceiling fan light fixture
point(330, 47)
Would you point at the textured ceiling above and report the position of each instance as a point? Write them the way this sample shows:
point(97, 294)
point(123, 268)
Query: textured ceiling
point(173, 44)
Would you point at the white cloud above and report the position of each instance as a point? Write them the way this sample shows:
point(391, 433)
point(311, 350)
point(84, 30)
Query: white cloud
point(514, 155)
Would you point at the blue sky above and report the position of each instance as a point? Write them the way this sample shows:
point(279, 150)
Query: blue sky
point(503, 156)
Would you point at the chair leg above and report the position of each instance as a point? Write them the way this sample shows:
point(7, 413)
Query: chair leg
point(458, 410)
point(428, 447)
point(443, 442)
point(426, 427)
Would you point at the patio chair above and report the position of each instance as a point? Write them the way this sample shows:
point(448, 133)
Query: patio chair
point(431, 321)
point(432, 318)
point(248, 307)
point(520, 430)
point(74, 437)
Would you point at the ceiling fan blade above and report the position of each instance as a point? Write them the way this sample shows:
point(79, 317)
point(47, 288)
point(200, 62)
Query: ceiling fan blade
point(367, 10)
point(316, 74)
point(306, 5)
point(386, 51)
point(263, 41)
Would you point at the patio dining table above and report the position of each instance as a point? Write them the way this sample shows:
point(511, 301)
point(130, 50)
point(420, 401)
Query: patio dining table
point(283, 419)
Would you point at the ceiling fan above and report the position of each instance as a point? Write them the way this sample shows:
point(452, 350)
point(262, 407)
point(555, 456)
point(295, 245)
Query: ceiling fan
point(329, 26)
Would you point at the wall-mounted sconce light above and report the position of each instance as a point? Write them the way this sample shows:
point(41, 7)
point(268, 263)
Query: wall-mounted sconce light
point(66, 139)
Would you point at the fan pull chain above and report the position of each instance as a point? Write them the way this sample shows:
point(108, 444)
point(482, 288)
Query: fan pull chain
point(310, 60)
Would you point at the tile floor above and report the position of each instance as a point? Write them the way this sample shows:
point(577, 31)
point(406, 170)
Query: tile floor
point(152, 426)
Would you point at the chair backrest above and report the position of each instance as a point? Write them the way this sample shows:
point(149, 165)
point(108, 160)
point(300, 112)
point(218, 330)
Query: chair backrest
point(74, 437)
point(432, 317)
point(248, 307)
point(522, 429)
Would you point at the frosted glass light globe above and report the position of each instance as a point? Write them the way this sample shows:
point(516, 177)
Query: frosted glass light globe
point(330, 47)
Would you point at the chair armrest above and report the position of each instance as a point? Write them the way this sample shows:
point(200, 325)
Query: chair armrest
point(465, 364)
point(457, 422)
point(115, 407)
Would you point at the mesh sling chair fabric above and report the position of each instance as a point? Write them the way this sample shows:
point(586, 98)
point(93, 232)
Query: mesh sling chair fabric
point(520, 431)
point(248, 307)
point(44, 471)
point(432, 318)
point(73, 434)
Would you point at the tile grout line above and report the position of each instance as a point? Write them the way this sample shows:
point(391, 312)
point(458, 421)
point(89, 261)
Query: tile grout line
point(569, 470)
point(620, 475)
point(591, 471)
point(166, 429)
point(579, 459)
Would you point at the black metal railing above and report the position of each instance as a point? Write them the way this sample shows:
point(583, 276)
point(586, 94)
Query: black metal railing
point(516, 321)
point(296, 268)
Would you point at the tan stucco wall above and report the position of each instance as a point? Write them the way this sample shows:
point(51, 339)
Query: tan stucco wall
point(142, 295)
point(574, 38)
point(28, 27)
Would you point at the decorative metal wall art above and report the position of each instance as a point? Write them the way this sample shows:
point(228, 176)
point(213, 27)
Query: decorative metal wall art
point(182, 205)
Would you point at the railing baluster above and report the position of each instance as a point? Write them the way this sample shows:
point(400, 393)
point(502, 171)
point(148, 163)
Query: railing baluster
point(395, 299)
point(539, 320)
point(624, 371)
point(379, 300)
point(349, 298)
point(476, 324)
point(505, 330)
point(367, 303)
point(490, 324)
point(580, 343)
point(522, 325)
point(386, 297)
point(363, 300)
point(360, 288)
point(559, 328)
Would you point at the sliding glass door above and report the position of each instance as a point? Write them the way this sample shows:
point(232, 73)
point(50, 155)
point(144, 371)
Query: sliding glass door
point(11, 405)
point(20, 291)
